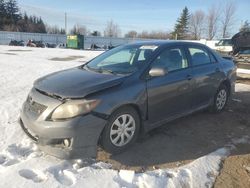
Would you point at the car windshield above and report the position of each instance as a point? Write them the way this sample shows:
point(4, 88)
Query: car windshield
point(122, 60)
point(225, 42)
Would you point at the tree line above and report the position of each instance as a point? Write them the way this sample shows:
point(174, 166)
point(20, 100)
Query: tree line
point(11, 19)
point(218, 21)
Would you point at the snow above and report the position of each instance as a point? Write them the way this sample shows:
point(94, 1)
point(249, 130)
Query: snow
point(22, 164)
point(243, 71)
point(242, 87)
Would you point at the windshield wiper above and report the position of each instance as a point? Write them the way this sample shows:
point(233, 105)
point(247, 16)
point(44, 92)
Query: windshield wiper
point(102, 70)
point(106, 70)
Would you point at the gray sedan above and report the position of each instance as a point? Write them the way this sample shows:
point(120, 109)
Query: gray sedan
point(122, 93)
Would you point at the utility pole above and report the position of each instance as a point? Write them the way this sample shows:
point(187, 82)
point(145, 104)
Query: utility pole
point(65, 23)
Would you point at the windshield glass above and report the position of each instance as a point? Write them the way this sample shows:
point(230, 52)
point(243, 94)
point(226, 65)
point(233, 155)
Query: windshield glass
point(122, 60)
point(225, 42)
point(245, 51)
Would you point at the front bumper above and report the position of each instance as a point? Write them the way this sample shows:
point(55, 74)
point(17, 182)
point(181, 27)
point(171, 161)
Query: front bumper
point(82, 132)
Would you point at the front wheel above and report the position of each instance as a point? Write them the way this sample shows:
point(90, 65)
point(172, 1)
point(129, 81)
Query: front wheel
point(121, 130)
point(220, 99)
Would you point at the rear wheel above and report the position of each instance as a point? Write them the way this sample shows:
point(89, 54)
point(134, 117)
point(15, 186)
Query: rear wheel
point(220, 99)
point(121, 130)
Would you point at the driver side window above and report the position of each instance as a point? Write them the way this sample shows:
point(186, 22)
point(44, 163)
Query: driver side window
point(171, 59)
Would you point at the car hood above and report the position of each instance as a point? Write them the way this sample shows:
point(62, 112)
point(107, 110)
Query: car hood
point(76, 83)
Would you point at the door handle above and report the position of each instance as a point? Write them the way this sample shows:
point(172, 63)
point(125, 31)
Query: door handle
point(189, 77)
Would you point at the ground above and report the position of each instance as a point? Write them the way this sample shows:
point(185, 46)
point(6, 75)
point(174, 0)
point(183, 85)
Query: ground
point(236, 171)
point(201, 150)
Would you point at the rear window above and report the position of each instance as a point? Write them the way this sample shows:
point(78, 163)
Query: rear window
point(199, 56)
point(225, 42)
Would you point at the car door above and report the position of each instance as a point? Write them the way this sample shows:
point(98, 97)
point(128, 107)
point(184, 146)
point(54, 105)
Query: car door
point(169, 95)
point(206, 73)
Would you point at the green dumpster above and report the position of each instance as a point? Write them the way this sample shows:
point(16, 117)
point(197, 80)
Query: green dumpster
point(75, 41)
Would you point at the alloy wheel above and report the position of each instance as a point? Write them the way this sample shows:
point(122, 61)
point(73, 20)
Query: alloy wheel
point(221, 99)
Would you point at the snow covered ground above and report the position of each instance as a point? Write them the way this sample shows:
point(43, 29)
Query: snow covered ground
point(243, 73)
point(23, 165)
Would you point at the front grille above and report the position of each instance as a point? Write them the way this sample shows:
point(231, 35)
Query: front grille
point(34, 106)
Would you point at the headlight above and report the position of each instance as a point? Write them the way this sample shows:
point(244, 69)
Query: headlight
point(73, 108)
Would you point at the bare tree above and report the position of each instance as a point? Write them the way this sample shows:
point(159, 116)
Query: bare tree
point(79, 29)
point(131, 34)
point(54, 29)
point(213, 17)
point(112, 29)
point(196, 24)
point(154, 35)
point(227, 20)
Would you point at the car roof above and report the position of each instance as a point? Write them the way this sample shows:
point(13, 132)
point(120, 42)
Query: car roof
point(165, 42)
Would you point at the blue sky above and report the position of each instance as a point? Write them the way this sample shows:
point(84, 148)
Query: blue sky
point(136, 15)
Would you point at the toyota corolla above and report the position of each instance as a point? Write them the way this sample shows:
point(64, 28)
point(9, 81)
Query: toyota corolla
point(122, 93)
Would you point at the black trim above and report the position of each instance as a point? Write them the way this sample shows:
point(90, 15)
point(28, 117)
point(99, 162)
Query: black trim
point(100, 115)
point(27, 131)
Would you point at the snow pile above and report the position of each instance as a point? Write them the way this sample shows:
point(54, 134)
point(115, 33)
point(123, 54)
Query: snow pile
point(199, 173)
point(242, 87)
point(23, 165)
point(243, 71)
point(32, 169)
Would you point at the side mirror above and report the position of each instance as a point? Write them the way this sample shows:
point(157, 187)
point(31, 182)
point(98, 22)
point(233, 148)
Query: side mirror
point(157, 71)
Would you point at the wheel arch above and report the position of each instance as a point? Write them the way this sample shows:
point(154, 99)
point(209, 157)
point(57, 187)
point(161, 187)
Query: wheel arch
point(227, 84)
point(136, 108)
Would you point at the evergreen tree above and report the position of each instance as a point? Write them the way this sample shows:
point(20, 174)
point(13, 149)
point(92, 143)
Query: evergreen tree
point(12, 11)
point(96, 33)
point(12, 20)
point(2, 13)
point(181, 27)
point(40, 26)
point(25, 17)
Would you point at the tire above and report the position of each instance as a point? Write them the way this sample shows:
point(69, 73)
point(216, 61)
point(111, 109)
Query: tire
point(220, 99)
point(121, 130)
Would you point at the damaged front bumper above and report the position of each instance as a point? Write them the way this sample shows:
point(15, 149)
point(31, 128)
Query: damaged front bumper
point(71, 138)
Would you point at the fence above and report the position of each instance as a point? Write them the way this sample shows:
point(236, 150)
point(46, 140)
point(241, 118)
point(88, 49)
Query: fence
point(6, 37)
